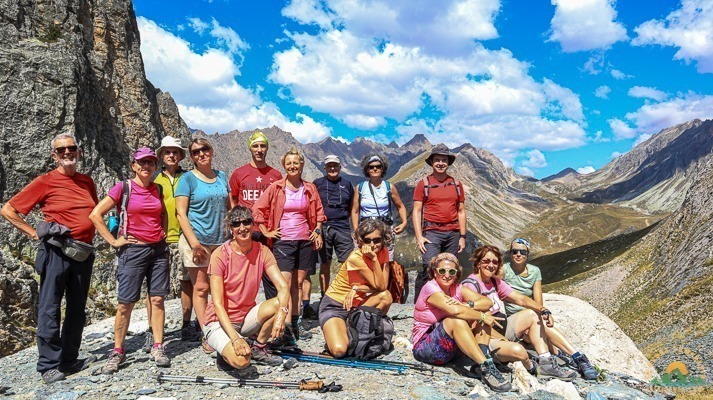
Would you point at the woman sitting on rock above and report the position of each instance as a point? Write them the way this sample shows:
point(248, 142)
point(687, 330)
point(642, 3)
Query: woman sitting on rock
point(526, 279)
point(236, 269)
point(142, 252)
point(442, 324)
point(529, 324)
point(362, 280)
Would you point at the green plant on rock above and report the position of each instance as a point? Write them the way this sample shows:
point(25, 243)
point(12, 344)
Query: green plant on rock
point(54, 32)
point(602, 374)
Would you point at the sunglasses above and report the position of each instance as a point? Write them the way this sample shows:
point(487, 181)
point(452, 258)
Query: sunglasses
point(372, 240)
point(61, 150)
point(377, 166)
point(450, 272)
point(198, 151)
point(486, 262)
point(242, 222)
point(146, 161)
point(520, 251)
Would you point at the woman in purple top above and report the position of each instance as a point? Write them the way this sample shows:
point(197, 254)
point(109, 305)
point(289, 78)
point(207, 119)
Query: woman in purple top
point(443, 325)
point(487, 266)
point(141, 251)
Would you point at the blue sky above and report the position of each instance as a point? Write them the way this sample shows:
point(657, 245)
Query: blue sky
point(544, 85)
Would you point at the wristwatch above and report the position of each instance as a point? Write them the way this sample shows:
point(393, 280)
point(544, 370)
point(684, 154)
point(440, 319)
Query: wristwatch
point(471, 304)
point(317, 231)
point(462, 236)
point(355, 288)
point(285, 310)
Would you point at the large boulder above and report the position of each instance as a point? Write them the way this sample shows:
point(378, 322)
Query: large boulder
point(19, 293)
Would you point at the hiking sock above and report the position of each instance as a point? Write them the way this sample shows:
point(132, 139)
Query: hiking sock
point(295, 323)
point(149, 330)
point(157, 344)
point(186, 324)
point(305, 304)
point(576, 356)
point(485, 349)
point(259, 345)
point(119, 350)
point(545, 355)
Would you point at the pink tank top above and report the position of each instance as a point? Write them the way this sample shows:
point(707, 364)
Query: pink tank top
point(294, 216)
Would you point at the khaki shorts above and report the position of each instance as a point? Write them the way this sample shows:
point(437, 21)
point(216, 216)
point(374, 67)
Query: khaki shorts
point(175, 262)
point(218, 339)
point(187, 253)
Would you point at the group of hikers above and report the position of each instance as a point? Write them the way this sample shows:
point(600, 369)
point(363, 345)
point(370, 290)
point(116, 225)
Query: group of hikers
point(225, 237)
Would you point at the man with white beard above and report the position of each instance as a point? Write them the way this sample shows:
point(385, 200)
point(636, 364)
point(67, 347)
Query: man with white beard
point(64, 258)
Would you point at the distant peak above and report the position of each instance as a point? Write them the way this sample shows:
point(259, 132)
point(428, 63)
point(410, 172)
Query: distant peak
point(393, 145)
point(563, 173)
point(418, 140)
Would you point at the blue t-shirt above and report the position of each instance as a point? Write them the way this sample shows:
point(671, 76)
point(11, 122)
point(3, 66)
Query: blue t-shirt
point(336, 199)
point(207, 206)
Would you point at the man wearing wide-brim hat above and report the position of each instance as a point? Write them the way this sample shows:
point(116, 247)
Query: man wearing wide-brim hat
point(170, 154)
point(439, 220)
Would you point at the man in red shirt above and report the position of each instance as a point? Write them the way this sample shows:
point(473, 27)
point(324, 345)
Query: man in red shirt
point(247, 183)
point(438, 212)
point(66, 198)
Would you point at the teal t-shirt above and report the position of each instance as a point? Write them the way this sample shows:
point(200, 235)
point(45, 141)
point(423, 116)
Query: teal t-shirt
point(207, 206)
point(521, 284)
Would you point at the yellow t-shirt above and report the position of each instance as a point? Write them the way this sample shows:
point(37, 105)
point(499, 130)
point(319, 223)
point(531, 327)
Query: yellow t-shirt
point(349, 276)
point(169, 202)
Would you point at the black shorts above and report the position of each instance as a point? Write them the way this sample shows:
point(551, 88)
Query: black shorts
point(292, 255)
point(137, 261)
point(330, 308)
point(336, 240)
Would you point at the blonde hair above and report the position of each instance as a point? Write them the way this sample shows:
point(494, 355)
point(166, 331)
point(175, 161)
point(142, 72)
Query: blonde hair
point(292, 152)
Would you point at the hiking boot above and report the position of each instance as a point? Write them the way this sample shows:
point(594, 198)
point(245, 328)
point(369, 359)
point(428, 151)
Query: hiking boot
point(303, 334)
point(148, 342)
point(112, 363)
point(550, 368)
point(565, 360)
point(52, 375)
point(158, 354)
point(77, 365)
point(490, 376)
point(222, 365)
point(310, 313)
point(261, 356)
point(586, 368)
point(190, 334)
point(286, 340)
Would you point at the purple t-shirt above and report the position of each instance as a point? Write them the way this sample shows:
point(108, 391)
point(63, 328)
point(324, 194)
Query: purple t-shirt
point(143, 211)
point(424, 314)
point(294, 215)
point(488, 290)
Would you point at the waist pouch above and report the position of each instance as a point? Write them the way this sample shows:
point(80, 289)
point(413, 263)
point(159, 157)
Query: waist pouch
point(76, 250)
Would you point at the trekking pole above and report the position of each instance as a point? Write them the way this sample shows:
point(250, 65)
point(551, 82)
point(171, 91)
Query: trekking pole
point(397, 366)
point(301, 385)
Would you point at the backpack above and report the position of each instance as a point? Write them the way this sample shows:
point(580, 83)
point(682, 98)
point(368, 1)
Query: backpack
point(398, 281)
point(427, 186)
point(388, 196)
point(122, 207)
point(369, 331)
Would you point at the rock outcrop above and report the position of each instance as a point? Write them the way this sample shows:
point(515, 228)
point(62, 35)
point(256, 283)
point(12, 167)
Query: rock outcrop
point(18, 301)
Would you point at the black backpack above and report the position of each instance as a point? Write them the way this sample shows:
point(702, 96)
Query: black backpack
point(369, 331)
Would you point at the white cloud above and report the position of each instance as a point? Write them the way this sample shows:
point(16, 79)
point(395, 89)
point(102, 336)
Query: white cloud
point(580, 25)
point(690, 29)
point(616, 154)
point(599, 138)
point(204, 85)
point(621, 129)
point(524, 171)
point(644, 92)
point(618, 75)
point(586, 170)
point(642, 139)
point(197, 25)
point(225, 37)
point(309, 12)
point(535, 159)
point(602, 92)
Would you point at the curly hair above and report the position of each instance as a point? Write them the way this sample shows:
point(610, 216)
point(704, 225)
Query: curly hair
point(371, 157)
point(480, 253)
point(292, 152)
point(370, 225)
point(237, 213)
point(437, 259)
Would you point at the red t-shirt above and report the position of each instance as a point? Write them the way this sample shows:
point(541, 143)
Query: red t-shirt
point(247, 183)
point(67, 200)
point(441, 206)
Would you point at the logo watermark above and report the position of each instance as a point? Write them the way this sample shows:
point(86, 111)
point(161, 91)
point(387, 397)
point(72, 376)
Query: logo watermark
point(688, 371)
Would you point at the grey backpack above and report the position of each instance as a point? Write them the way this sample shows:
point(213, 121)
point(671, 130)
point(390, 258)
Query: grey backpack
point(369, 331)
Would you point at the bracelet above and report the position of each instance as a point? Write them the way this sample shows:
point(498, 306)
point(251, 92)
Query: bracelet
point(482, 317)
point(285, 310)
point(545, 312)
point(233, 341)
point(462, 236)
point(355, 288)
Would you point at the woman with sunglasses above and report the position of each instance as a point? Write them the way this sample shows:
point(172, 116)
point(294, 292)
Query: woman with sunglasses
point(443, 326)
point(289, 213)
point(142, 252)
point(362, 280)
point(526, 279)
point(528, 325)
point(374, 197)
point(236, 270)
point(202, 199)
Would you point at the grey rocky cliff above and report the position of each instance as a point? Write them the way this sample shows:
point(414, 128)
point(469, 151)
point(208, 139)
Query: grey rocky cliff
point(73, 66)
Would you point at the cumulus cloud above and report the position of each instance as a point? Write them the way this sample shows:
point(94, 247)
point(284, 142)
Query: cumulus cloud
point(524, 171)
point(309, 12)
point(586, 170)
point(204, 85)
point(616, 154)
point(602, 92)
point(534, 159)
point(644, 92)
point(581, 25)
point(618, 75)
point(690, 29)
point(371, 76)
point(621, 129)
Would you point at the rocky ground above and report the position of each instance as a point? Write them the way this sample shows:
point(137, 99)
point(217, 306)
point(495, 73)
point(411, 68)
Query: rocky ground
point(137, 378)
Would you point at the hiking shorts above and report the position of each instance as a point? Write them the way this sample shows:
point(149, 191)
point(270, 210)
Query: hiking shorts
point(436, 346)
point(139, 261)
point(175, 262)
point(336, 240)
point(187, 253)
point(330, 308)
point(218, 339)
point(293, 255)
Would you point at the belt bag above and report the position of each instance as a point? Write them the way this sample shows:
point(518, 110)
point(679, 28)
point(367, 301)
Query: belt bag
point(76, 250)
